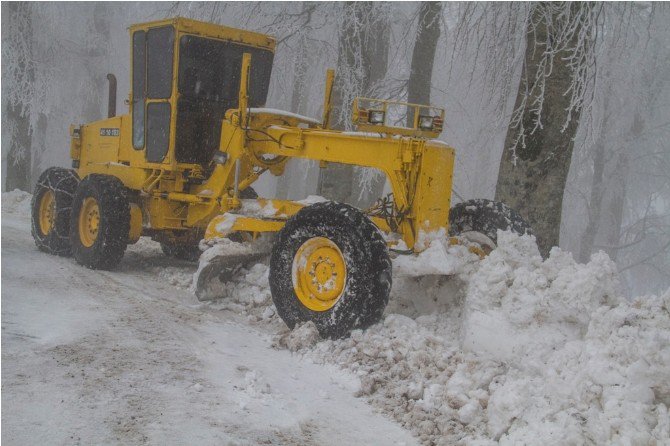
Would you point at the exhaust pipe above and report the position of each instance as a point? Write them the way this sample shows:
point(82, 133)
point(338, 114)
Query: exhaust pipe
point(111, 101)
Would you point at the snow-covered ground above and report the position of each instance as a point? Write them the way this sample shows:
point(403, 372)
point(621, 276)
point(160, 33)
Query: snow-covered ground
point(511, 349)
point(130, 356)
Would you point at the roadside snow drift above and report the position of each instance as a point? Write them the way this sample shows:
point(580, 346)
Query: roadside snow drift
point(516, 350)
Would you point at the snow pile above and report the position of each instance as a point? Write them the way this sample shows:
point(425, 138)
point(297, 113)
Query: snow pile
point(16, 202)
point(414, 370)
point(517, 350)
point(247, 291)
point(519, 305)
point(611, 386)
point(303, 336)
point(227, 222)
point(438, 258)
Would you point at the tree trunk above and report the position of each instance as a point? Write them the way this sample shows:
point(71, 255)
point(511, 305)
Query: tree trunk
point(301, 66)
point(615, 206)
point(18, 157)
point(595, 202)
point(423, 55)
point(532, 178)
point(98, 54)
point(17, 112)
point(597, 189)
point(299, 175)
point(361, 63)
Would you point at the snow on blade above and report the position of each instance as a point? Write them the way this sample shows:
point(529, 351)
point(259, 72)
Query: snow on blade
point(438, 258)
point(312, 199)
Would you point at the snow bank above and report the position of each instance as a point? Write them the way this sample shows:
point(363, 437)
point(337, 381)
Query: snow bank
point(16, 202)
point(611, 386)
point(514, 349)
point(519, 305)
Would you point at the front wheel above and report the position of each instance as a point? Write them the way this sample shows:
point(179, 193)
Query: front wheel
point(100, 222)
point(330, 265)
point(479, 220)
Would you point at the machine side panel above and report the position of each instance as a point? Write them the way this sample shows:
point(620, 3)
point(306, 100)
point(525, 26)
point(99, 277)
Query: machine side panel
point(433, 193)
point(106, 149)
point(101, 141)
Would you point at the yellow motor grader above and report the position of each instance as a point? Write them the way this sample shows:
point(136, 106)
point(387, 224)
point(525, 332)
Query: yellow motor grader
point(180, 167)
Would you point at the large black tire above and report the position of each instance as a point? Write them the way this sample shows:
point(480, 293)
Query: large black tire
point(248, 193)
point(61, 184)
point(368, 268)
point(188, 252)
point(111, 240)
point(485, 217)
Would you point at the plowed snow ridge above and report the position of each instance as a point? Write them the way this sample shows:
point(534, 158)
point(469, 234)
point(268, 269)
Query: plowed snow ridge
point(509, 350)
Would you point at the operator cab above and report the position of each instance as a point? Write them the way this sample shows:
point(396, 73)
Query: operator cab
point(185, 76)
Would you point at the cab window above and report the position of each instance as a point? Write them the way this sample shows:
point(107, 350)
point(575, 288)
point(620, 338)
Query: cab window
point(139, 68)
point(160, 48)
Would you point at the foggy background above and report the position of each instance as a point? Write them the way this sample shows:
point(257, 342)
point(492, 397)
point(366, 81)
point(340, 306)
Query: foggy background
point(55, 58)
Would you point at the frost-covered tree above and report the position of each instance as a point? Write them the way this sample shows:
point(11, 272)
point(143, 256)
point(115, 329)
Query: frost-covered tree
point(617, 195)
point(363, 44)
point(18, 90)
point(557, 70)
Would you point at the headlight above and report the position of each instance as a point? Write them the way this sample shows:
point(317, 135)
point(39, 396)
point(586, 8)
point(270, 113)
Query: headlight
point(426, 122)
point(376, 116)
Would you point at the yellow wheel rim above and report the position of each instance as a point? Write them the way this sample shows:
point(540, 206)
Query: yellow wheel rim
point(319, 274)
point(89, 222)
point(47, 212)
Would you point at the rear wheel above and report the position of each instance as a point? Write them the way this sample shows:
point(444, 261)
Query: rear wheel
point(51, 207)
point(330, 265)
point(100, 222)
point(479, 220)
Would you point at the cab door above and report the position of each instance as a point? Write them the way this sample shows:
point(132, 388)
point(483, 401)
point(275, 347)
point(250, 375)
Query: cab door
point(152, 79)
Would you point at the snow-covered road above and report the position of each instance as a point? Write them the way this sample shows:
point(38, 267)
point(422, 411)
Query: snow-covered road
point(125, 357)
point(512, 349)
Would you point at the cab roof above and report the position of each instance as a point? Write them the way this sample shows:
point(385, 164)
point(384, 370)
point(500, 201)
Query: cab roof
point(212, 30)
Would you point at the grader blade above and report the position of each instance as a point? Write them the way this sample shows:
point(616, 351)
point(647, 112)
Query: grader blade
point(211, 280)
point(220, 263)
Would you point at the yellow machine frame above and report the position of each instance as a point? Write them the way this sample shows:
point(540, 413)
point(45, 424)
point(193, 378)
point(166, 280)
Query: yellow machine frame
point(253, 141)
